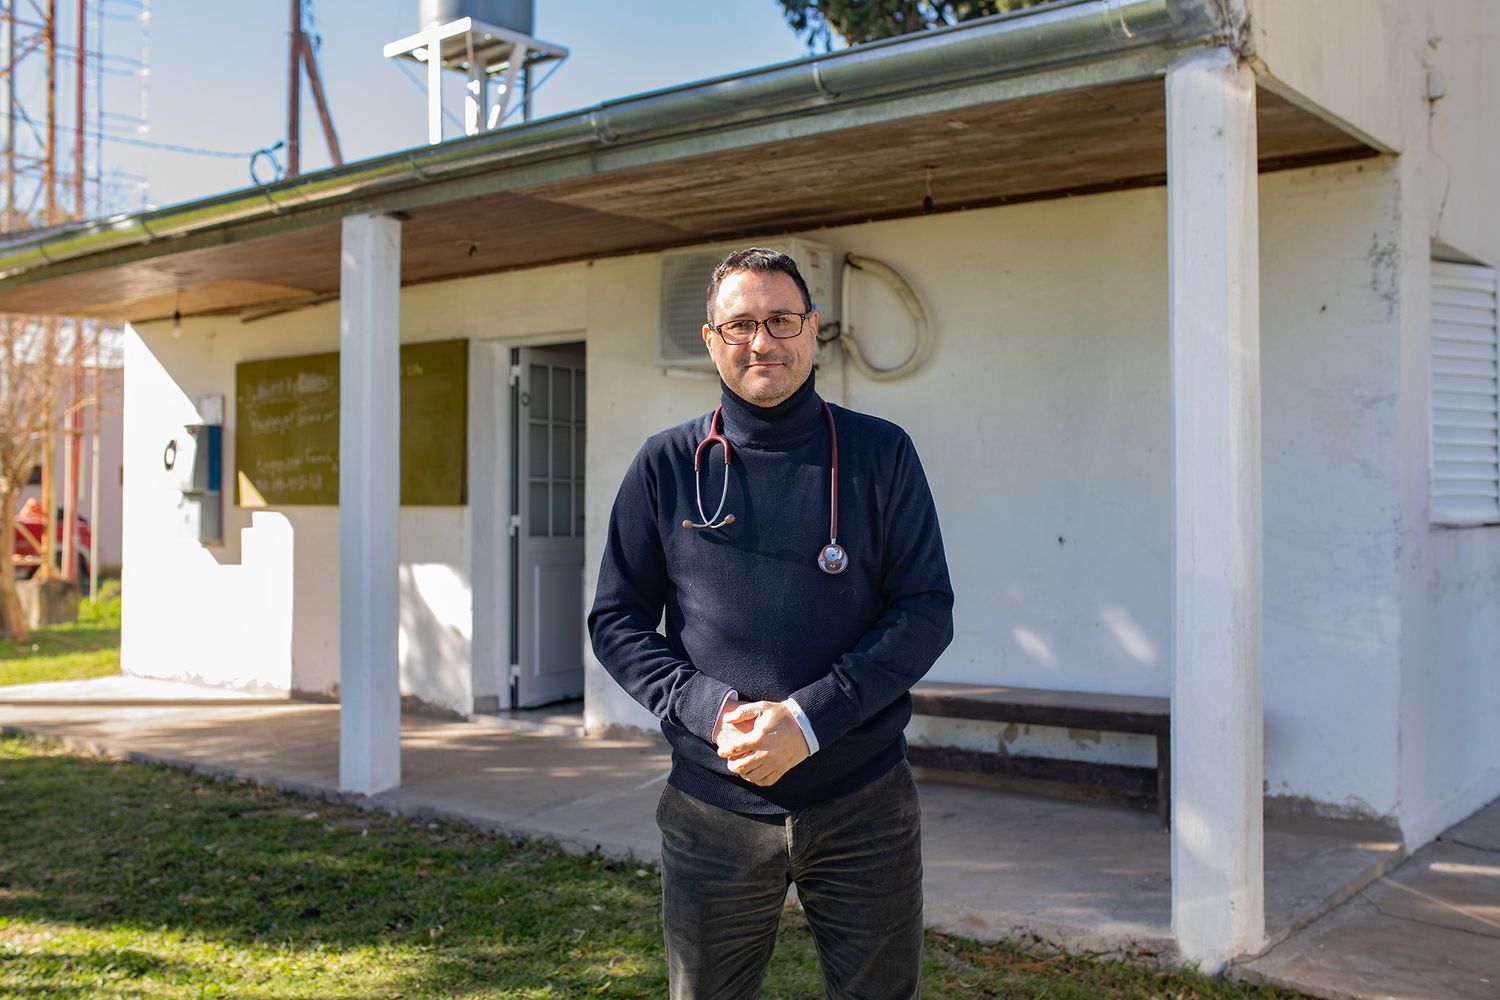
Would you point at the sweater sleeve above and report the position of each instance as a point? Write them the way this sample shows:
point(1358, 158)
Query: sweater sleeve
point(917, 623)
point(628, 605)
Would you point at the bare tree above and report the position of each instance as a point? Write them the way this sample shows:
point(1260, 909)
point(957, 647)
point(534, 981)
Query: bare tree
point(30, 374)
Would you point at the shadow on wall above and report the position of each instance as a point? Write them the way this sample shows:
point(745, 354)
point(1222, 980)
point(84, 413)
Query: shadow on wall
point(434, 645)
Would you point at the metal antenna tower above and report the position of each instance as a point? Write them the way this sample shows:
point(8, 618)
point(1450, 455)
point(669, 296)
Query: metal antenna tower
point(48, 181)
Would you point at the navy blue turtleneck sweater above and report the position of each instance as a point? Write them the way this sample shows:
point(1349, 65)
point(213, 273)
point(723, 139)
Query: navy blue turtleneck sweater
point(747, 608)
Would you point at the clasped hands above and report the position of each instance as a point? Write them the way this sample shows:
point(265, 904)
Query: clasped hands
point(760, 739)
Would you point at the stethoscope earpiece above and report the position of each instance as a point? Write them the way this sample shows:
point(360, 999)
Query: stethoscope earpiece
point(832, 559)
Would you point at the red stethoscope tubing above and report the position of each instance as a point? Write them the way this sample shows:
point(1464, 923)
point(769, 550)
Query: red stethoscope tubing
point(714, 437)
point(833, 479)
point(832, 558)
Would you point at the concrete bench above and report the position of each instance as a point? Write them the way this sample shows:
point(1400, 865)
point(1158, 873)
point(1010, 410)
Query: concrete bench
point(1115, 713)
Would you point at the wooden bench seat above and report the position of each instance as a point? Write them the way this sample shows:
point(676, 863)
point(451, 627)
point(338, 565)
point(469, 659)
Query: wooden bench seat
point(1115, 713)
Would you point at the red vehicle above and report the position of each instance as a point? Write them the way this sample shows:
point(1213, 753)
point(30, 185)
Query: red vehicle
point(30, 523)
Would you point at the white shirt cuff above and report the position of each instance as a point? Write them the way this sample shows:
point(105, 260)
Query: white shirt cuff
point(807, 729)
point(730, 695)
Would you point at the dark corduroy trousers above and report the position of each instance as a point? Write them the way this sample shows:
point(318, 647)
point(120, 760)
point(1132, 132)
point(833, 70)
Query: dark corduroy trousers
point(857, 864)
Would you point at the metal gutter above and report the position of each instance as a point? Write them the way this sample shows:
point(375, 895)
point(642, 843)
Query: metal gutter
point(1006, 45)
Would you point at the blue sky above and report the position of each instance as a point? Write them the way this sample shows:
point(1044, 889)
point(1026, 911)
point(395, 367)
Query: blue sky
point(218, 74)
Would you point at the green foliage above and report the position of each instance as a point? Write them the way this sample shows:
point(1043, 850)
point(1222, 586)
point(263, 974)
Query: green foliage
point(103, 608)
point(89, 647)
point(819, 22)
point(128, 880)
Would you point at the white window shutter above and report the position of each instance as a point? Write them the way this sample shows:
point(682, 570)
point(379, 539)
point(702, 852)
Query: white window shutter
point(1465, 395)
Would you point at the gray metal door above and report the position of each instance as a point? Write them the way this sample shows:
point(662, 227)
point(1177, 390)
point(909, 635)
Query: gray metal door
point(547, 406)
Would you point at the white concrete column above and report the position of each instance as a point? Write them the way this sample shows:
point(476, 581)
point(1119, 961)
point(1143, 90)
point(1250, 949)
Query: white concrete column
point(1218, 905)
point(369, 504)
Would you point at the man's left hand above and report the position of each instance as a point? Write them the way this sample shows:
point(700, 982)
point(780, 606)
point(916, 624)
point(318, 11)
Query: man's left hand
point(762, 741)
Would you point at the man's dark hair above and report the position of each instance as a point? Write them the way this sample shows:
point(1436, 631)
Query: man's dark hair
point(755, 259)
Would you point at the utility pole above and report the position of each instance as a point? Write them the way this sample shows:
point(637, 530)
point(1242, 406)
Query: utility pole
point(302, 55)
point(315, 81)
point(294, 94)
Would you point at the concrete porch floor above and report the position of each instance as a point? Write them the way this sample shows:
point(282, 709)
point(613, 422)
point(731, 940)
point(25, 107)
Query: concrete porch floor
point(999, 865)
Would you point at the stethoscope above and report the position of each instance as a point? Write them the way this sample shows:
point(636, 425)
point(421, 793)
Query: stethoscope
point(832, 558)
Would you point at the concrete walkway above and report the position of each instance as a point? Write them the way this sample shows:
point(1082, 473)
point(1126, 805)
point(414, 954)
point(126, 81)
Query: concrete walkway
point(998, 864)
point(1429, 930)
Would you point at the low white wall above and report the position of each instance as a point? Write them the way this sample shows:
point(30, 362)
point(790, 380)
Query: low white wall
point(193, 612)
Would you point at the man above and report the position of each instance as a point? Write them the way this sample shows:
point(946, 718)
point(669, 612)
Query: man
point(782, 679)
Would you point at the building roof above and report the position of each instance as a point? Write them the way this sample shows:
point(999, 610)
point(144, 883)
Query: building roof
point(1042, 103)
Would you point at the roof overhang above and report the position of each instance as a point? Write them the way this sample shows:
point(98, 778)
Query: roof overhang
point(1048, 102)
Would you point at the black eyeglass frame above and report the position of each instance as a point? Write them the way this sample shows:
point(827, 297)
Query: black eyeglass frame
point(801, 324)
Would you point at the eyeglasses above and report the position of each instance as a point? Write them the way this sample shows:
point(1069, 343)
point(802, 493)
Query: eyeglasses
point(782, 326)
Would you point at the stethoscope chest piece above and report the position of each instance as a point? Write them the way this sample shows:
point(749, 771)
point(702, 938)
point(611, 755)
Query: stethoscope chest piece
point(832, 559)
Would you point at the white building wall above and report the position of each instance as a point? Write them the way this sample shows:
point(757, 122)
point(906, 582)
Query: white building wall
point(629, 399)
point(1419, 77)
point(1042, 421)
point(1336, 56)
point(1332, 478)
point(219, 615)
point(1450, 690)
point(1462, 127)
point(260, 610)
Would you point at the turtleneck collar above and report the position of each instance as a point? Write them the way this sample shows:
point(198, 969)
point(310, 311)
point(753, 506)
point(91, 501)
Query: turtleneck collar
point(792, 418)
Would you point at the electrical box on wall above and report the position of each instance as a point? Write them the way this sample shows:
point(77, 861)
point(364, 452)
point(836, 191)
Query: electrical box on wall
point(193, 460)
point(683, 279)
point(202, 516)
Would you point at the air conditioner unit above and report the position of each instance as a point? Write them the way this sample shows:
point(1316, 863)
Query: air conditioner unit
point(684, 276)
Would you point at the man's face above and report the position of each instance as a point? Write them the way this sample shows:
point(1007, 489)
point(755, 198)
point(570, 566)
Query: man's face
point(763, 371)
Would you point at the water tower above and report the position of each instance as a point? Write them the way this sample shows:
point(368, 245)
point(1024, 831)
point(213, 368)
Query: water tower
point(490, 42)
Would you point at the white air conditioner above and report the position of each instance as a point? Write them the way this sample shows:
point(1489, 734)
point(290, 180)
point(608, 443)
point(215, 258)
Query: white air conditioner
point(684, 276)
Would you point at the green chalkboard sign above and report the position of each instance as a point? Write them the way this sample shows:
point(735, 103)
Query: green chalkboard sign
point(435, 424)
point(286, 435)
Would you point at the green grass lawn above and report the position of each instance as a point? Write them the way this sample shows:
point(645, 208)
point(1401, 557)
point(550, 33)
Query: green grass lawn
point(87, 648)
point(128, 880)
